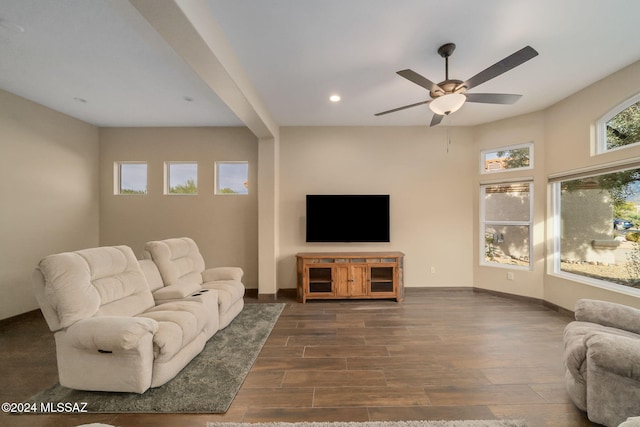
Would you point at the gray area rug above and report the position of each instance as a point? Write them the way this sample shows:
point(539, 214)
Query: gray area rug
point(208, 384)
point(460, 423)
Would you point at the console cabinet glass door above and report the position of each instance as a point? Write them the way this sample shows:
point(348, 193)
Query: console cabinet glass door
point(320, 280)
point(382, 279)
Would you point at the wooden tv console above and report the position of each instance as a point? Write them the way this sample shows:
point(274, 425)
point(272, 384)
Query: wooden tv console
point(340, 275)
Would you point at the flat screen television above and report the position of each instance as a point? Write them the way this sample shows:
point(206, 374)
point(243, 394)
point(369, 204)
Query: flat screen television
point(348, 218)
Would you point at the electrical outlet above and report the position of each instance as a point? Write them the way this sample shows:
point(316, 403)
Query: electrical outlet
point(433, 269)
point(510, 275)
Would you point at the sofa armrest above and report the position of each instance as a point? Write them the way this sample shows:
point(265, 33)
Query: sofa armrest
point(613, 353)
point(109, 333)
point(222, 273)
point(175, 292)
point(608, 314)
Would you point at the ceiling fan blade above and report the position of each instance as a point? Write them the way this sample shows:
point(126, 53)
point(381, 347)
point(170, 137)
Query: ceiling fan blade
point(436, 119)
point(420, 80)
point(508, 63)
point(402, 108)
point(492, 98)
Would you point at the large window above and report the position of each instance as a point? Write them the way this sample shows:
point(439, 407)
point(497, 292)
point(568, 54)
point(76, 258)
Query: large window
point(596, 227)
point(130, 178)
point(181, 178)
point(620, 127)
point(505, 214)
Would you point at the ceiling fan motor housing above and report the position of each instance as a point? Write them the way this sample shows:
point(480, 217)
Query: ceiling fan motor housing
point(447, 86)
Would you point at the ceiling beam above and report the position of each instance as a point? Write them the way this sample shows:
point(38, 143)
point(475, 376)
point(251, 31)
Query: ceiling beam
point(191, 30)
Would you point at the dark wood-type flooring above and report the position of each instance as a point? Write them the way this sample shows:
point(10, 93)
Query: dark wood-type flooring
point(441, 354)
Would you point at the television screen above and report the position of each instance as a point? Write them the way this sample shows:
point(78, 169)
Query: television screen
point(347, 218)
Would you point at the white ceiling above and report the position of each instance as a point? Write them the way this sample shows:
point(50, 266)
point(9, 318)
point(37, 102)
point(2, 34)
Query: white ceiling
point(298, 52)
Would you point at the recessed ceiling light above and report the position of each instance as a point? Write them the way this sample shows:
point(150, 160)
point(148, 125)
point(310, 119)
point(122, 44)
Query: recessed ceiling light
point(334, 98)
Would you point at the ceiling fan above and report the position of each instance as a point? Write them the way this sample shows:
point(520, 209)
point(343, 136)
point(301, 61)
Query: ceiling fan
point(449, 95)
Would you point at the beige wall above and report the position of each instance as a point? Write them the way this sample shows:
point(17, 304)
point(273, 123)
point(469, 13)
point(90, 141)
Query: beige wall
point(518, 130)
point(563, 137)
point(431, 194)
point(569, 135)
point(570, 124)
point(49, 191)
point(63, 204)
point(225, 227)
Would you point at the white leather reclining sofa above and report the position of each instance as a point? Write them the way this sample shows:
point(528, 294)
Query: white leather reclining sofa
point(117, 326)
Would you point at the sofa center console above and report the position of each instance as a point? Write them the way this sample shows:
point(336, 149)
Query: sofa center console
point(341, 275)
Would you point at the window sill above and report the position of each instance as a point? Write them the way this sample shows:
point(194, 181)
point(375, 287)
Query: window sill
point(597, 283)
point(507, 266)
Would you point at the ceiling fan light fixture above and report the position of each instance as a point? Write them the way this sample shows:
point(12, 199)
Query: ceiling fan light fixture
point(447, 104)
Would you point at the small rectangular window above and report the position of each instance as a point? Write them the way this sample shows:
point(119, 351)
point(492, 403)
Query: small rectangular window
point(506, 212)
point(232, 178)
point(130, 178)
point(181, 178)
point(507, 158)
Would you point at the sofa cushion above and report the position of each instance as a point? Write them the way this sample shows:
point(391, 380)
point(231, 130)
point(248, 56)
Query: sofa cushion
point(608, 314)
point(68, 287)
point(109, 333)
point(118, 278)
point(152, 274)
point(575, 351)
point(175, 292)
point(618, 355)
point(229, 291)
point(167, 341)
point(179, 260)
point(222, 273)
point(180, 322)
point(576, 335)
point(98, 281)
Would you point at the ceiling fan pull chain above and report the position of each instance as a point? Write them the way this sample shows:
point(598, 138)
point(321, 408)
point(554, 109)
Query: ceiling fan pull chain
point(448, 118)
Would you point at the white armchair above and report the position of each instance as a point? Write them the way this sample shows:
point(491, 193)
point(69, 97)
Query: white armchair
point(602, 357)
